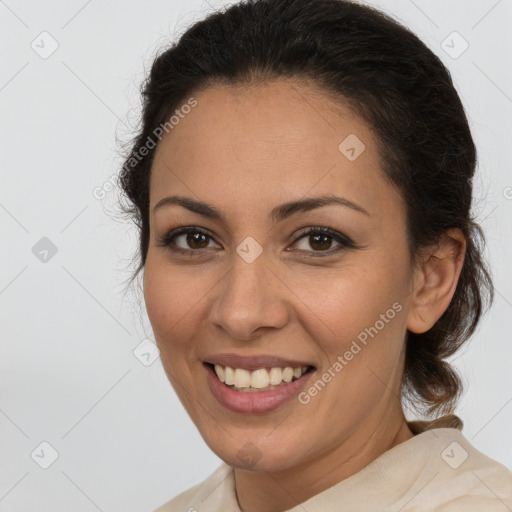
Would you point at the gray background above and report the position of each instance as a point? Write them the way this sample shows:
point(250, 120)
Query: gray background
point(69, 373)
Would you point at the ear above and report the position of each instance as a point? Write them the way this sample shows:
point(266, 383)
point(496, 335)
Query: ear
point(435, 280)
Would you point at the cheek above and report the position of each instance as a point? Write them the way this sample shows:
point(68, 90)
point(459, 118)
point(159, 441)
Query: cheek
point(170, 298)
point(359, 326)
point(342, 303)
point(177, 301)
point(334, 305)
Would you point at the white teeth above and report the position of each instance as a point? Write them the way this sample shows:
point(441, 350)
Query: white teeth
point(229, 376)
point(220, 372)
point(242, 378)
point(276, 376)
point(288, 374)
point(258, 379)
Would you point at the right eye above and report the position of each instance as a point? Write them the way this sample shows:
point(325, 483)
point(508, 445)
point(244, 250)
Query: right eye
point(195, 238)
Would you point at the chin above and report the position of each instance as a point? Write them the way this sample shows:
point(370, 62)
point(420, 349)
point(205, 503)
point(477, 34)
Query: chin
point(251, 456)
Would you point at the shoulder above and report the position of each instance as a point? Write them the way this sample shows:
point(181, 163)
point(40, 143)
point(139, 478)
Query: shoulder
point(464, 479)
point(218, 481)
point(181, 501)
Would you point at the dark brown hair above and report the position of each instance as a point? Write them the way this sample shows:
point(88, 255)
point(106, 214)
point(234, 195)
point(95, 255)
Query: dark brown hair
point(384, 73)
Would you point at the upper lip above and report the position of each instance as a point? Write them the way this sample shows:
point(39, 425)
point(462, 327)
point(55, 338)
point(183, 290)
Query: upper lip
point(256, 362)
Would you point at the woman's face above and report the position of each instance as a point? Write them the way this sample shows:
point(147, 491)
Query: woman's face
point(249, 283)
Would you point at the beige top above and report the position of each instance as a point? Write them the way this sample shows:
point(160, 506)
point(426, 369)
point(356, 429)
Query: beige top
point(436, 470)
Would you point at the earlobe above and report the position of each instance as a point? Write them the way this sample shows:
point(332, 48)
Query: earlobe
point(437, 277)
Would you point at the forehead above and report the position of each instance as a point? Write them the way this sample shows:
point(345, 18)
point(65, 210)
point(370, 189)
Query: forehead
point(271, 141)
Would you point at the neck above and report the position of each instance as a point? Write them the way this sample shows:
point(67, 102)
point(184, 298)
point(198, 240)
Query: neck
point(279, 491)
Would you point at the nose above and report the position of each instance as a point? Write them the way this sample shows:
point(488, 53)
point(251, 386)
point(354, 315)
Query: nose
point(251, 298)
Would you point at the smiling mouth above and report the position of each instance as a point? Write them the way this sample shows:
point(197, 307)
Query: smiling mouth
point(258, 381)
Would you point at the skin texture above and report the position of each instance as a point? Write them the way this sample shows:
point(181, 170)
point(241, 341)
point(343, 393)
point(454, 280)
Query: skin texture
point(246, 150)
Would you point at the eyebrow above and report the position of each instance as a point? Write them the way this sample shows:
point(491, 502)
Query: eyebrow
point(278, 214)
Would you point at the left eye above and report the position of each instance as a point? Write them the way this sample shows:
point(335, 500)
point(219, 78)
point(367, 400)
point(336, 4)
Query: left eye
point(320, 239)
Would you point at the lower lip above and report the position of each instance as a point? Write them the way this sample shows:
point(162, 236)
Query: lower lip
point(257, 402)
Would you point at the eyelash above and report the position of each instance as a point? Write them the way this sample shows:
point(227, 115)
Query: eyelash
point(344, 241)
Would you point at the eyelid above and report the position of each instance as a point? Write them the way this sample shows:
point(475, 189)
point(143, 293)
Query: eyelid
point(336, 235)
point(165, 241)
point(343, 240)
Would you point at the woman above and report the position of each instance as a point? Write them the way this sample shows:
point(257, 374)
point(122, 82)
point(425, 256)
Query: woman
point(302, 186)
